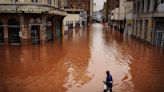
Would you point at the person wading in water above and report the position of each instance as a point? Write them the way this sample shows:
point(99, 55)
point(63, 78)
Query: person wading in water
point(108, 82)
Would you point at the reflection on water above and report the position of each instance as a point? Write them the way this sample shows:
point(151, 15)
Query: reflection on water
point(78, 61)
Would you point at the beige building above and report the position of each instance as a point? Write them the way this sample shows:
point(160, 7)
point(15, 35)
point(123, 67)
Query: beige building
point(94, 7)
point(30, 21)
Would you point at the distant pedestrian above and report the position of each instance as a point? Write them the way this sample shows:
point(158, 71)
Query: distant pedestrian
point(108, 82)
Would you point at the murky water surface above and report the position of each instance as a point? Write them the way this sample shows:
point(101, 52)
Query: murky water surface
point(78, 61)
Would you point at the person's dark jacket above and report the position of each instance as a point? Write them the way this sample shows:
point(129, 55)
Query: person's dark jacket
point(109, 81)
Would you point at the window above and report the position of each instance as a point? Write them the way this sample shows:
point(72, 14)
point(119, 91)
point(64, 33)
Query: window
point(34, 1)
point(14, 1)
point(138, 7)
point(142, 8)
point(59, 3)
point(148, 6)
point(155, 5)
point(159, 25)
point(134, 8)
point(49, 1)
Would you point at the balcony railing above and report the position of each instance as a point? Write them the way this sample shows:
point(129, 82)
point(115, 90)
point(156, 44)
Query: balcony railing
point(30, 8)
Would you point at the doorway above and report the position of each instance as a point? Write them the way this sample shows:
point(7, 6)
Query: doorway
point(49, 33)
point(35, 34)
point(146, 30)
point(58, 30)
point(13, 31)
point(1, 33)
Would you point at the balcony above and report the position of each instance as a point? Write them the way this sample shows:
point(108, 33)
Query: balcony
point(31, 8)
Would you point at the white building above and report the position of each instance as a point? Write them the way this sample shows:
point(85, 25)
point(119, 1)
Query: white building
point(118, 16)
point(74, 18)
point(121, 17)
point(115, 16)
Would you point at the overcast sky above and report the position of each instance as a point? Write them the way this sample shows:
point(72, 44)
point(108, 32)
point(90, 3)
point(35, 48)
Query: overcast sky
point(99, 4)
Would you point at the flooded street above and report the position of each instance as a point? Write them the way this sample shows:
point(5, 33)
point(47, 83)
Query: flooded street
point(78, 62)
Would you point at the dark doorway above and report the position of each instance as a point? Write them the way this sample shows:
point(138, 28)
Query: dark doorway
point(159, 33)
point(13, 31)
point(58, 30)
point(49, 33)
point(146, 30)
point(1, 33)
point(35, 34)
point(140, 29)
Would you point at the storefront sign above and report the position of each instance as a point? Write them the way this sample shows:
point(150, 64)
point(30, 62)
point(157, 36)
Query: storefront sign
point(130, 21)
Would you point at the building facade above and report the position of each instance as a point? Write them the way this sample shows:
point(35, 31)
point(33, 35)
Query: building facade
point(86, 5)
point(91, 8)
point(111, 5)
point(94, 7)
point(104, 12)
point(148, 23)
point(117, 15)
point(34, 21)
point(113, 12)
point(128, 17)
point(120, 14)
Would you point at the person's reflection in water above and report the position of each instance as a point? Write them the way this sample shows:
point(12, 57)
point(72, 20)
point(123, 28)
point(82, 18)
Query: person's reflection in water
point(108, 82)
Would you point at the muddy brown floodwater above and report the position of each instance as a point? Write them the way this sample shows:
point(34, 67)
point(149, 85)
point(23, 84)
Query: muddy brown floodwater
point(78, 62)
